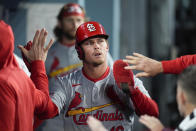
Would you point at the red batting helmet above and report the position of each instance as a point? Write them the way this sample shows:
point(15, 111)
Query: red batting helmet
point(88, 30)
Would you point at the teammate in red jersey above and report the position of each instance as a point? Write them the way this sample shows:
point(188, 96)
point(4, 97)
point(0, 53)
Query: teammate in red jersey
point(19, 99)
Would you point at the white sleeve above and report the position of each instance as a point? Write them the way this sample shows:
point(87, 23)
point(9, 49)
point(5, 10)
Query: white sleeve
point(139, 84)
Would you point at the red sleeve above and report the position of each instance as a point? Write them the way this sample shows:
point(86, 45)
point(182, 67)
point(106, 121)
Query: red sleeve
point(8, 104)
point(143, 104)
point(39, 77)
point(45, 108)
point(177, 65)
point(51, 111)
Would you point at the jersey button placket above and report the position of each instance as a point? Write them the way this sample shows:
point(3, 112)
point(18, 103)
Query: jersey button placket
point(94, 95)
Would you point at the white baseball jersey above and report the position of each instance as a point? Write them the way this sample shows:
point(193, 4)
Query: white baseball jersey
point(62, 60)
point(77, 96)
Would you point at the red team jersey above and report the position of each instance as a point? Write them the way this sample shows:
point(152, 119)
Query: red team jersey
point(19, 99)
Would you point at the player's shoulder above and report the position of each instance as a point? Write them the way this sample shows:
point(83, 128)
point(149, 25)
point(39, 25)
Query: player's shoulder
point(75, 75)
point(11, 76)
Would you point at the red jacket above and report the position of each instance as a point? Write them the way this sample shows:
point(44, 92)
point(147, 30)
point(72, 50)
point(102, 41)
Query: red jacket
point(179, 64)
point(19, 99)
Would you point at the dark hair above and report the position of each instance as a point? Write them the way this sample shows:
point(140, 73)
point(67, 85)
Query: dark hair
point(57, 30)
point(187, 81)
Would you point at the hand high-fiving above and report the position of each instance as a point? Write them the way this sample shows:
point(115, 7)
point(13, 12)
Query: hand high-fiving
point(151, 123)
point(150, 67)
point(37, 51)
point(95, 125)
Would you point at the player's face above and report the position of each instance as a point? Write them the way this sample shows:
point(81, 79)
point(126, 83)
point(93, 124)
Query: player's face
point(70, 25)
point(95, 50)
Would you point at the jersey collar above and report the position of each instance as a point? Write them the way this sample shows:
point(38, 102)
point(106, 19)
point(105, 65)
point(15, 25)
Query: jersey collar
point(98, 79)
point(69, 45)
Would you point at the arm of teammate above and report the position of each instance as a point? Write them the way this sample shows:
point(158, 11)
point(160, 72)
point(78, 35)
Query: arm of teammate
point(177, 65)
point(37, 56)
point(42, 98)
point(151, 67)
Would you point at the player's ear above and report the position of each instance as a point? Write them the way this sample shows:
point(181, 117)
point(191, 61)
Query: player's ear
point(183, 97)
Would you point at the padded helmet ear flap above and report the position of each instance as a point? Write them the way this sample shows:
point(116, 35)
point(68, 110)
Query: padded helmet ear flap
point(80, 52)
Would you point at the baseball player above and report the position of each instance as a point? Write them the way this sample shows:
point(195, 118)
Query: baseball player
point(111, 96)
point(151, 67)
point(62, 57)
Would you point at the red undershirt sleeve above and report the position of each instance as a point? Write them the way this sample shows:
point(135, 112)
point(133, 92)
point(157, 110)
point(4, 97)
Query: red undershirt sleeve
point(177, 65)
point(46, 108)
point(144, 104)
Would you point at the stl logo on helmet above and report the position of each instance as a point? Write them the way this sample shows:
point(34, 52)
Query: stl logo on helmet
point(91, 27)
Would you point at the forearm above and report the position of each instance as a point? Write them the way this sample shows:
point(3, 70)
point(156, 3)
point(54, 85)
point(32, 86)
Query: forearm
point(50, 112)
point(143, 104)
point(45, 107)
point(177, 65)
point(39, 77)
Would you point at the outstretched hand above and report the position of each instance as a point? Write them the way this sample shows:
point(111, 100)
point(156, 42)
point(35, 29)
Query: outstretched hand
point(95, 125)
point(151, 122)
point(150, 67)
point(37, 51)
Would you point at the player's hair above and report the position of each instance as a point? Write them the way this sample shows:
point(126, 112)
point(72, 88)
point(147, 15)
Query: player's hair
point(57, 30)
point(187, 81)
